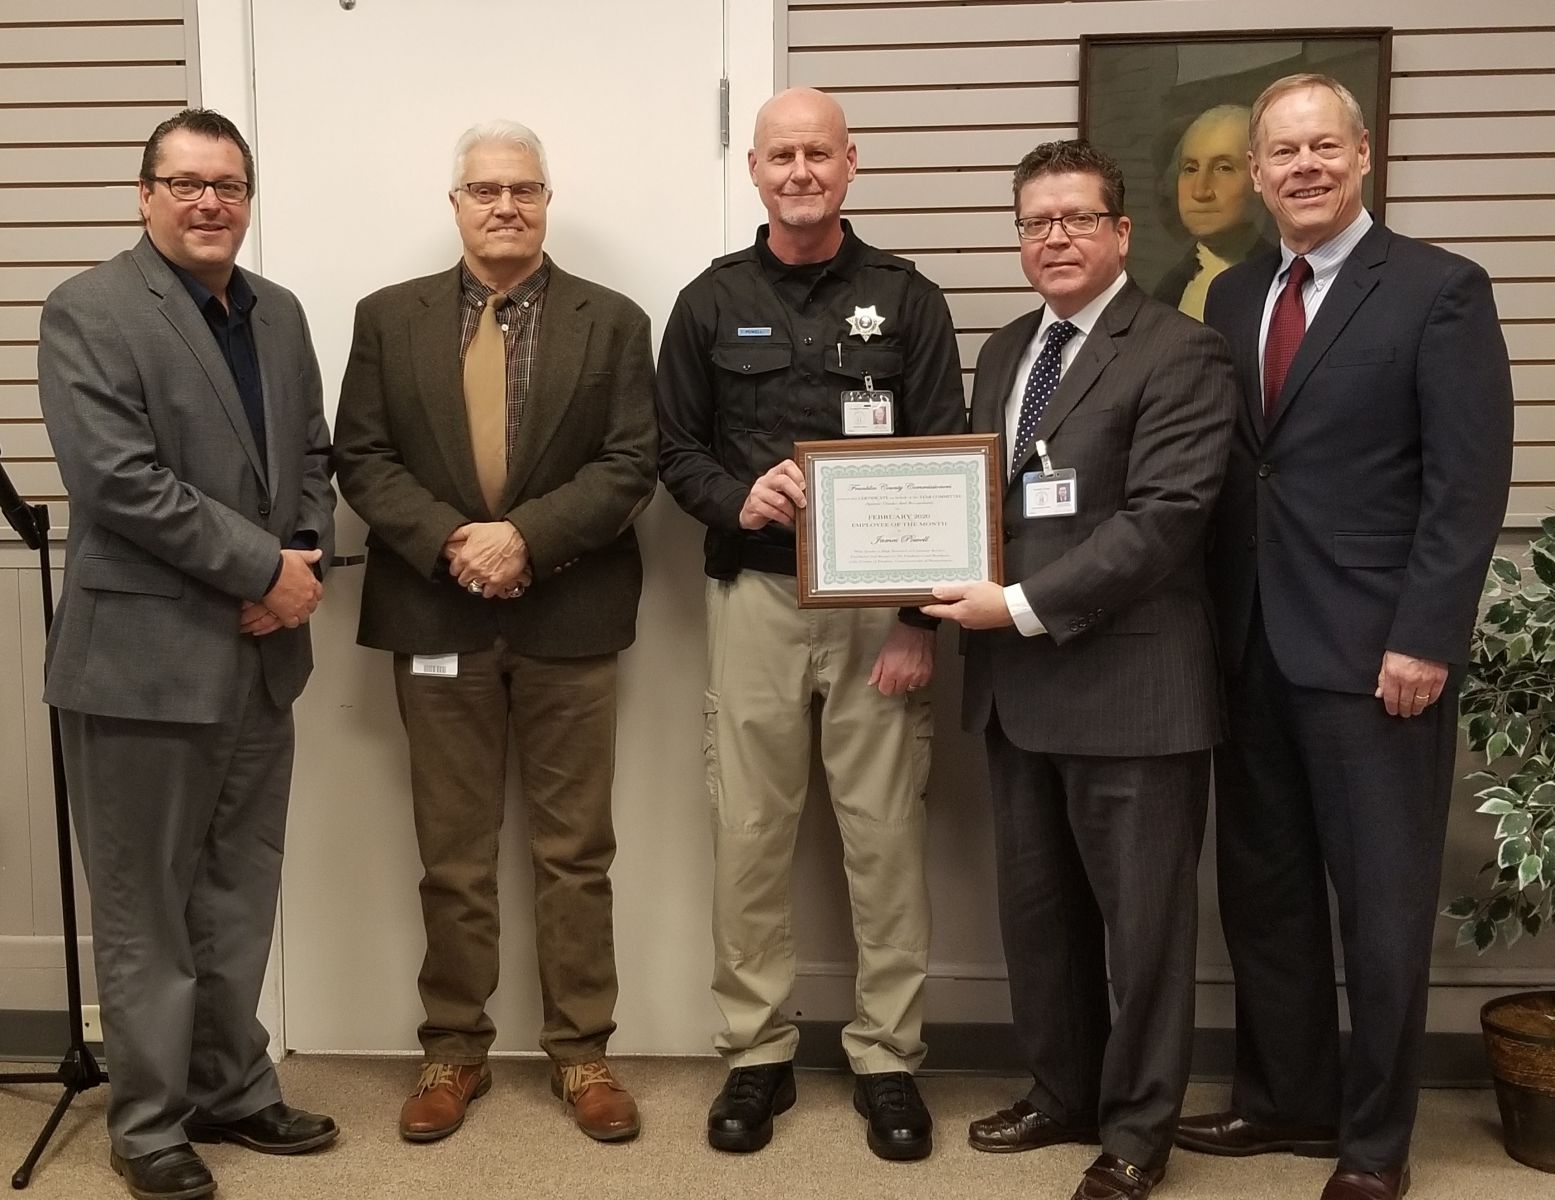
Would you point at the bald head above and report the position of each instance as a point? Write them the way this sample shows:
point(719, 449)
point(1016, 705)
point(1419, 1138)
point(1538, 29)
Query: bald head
point(801, 164)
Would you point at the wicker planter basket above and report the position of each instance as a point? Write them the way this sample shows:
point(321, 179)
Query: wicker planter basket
point(1520, 1039)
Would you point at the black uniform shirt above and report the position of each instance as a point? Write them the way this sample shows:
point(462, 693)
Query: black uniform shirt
point(756, 356)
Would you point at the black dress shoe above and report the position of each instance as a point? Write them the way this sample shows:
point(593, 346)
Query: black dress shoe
point(741, 1117)
point(1228, 1134)
point(900, 1127)
point(275, 1129)
point(1113, 1178)
point(175, 1173)
point(1024, 1126)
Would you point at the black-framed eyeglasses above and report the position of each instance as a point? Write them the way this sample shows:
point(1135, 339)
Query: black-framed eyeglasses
point(527, 192)
point(1079, 224)
point(189, 187)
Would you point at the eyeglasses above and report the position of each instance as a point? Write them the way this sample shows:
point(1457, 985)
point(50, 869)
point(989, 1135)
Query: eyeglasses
point(187, 187)
point(1080, 224)
point(528, 193)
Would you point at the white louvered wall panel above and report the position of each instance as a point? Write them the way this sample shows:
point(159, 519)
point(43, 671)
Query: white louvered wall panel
point(944, 98)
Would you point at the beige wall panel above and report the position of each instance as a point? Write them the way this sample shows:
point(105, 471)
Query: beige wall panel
point(1481, 177)
point(19, 402)
point(55, 205)
point(33, 283)
point(1413, 53)
point(21, 12)
point(78, 85)
point(23, 243)
point(103, 124)
point(69, 164)
point(1511, 260)
point(980, 188)
point(1473, 218)
point(27, 439)
point(1533, 464)
point(16, 917)
point(1530, 505)
point(972, 148)
point(36, 479)
point(1536, 422)
point(983, 64)
point(989, 310)
point(93, 43)
point(969, 344)
point(1469, 135)
point(1526, 301)
point(1525, 342)
point(948, 231)
point(1472, 93)
point(963, 106)
point(982, 269)
point(1536, 381)
point(926, 23)
point(18, 362)
point(19, 323)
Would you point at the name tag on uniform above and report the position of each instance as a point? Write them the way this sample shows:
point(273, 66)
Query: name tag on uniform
point(1056, 494)
point(869, 411)
point(446, 665)
point(754, 331)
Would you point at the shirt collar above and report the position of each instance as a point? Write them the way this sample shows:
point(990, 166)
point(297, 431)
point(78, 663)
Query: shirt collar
point(240, 293)
point(844, 263)
point(1084, 320)
point(1325, 260)
point(475, 292)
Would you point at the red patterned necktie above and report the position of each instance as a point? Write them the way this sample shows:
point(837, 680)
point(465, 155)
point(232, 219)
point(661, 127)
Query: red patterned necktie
point(1287, 324)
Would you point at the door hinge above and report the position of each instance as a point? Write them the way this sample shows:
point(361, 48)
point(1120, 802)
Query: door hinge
point(723, 111)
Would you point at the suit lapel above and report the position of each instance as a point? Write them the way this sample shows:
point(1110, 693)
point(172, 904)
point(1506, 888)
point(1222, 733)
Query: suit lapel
point(434, 343)
point(1095, 353)
point(989, 400)
point(564, 337)
point(1244, 332)
point(178, 307)
point(272, 377)
point(1356, 278)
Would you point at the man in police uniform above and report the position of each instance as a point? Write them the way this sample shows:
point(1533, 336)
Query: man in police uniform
point(757, 355)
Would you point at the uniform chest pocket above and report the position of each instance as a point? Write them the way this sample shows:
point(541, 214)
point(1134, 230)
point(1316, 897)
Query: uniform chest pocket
point(878, 364)
point(752, 380)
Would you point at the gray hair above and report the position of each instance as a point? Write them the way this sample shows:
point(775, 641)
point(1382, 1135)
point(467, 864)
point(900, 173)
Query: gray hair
point(510, 132)
point(1297, 83)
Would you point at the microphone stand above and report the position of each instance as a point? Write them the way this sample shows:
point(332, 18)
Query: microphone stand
point(78, 1070)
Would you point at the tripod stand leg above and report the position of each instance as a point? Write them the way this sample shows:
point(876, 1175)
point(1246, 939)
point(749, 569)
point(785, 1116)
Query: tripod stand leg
point(23, 1174)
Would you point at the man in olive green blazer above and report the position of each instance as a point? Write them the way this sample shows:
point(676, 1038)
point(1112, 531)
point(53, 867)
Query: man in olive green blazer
point(497, 434)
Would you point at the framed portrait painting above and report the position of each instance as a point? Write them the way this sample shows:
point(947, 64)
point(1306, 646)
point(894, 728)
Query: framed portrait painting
point(1173, 110)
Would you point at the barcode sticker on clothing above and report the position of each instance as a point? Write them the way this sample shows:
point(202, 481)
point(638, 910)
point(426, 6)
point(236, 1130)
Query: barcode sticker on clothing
point(446, 665)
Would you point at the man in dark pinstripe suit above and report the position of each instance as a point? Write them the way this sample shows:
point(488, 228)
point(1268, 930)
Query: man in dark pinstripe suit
point(1092, 676)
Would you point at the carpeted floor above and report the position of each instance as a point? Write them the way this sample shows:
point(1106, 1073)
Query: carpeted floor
point(518, 1143)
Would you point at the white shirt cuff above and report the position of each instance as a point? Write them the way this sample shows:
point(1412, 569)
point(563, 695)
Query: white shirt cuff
point(1025, 620)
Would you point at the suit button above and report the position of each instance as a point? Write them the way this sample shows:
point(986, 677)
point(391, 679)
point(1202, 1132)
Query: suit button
point(809, 341)
point(1265, 470)
point(1009, 535)
point(1252, 541)
point(264, 508)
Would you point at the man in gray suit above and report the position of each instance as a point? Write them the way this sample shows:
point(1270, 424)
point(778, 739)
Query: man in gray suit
point(183, 400)
point(1092, 675)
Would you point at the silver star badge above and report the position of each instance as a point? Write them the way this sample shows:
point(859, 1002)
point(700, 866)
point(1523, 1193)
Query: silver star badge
point(866, 322)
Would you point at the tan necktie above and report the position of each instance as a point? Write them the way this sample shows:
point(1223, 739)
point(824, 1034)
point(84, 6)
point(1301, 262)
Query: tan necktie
point(486, 403)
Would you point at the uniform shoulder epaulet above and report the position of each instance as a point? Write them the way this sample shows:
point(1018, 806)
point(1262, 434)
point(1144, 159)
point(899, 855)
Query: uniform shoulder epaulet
point(748, 254)
point(879, 258)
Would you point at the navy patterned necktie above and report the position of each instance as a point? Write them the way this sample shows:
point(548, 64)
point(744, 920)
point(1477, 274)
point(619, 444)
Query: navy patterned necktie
point(1041, 384)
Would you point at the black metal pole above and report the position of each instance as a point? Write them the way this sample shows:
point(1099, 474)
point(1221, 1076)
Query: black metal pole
point(78, 1070)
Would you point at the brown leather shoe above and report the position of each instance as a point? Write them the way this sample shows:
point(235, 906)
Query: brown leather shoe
point(1023, 1126)
point(436, 1108)
point(602, 1108)
point(1345, 1184)
point(1111, 1178)
point(1228, 1134)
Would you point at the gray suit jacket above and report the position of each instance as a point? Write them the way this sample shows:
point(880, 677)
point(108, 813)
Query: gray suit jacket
point(1127, 666)
point(581, 470)
point(172, 522)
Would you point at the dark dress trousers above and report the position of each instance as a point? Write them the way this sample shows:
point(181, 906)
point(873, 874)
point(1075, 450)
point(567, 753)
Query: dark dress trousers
point(1360, 520)
point(1098, 731)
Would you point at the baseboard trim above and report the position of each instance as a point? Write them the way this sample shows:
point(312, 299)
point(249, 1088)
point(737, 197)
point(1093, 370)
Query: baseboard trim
point(988, 1048)
point(37, 1036)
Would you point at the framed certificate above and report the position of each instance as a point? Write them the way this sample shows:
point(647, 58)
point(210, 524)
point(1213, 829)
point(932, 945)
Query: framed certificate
point(889, 518)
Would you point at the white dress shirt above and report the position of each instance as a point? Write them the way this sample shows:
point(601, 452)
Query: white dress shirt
point(1325, 262)
point(1084, 321)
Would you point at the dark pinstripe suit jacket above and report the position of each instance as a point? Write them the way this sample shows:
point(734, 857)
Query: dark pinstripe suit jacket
point(1127, 667)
